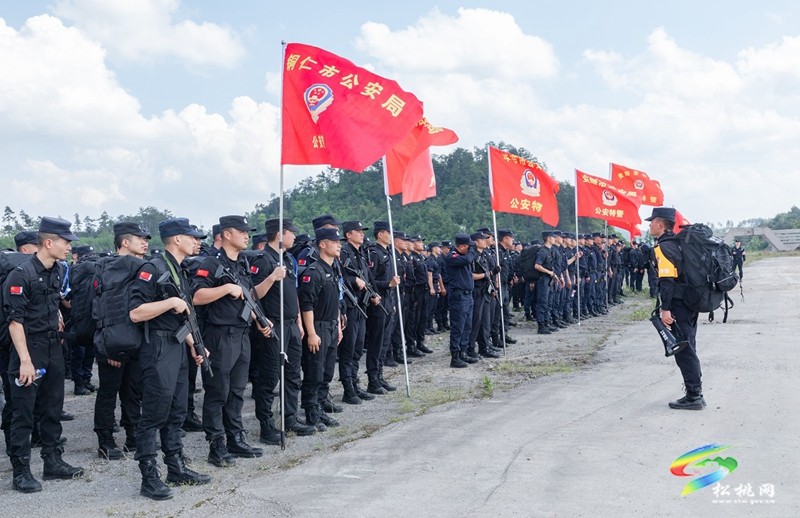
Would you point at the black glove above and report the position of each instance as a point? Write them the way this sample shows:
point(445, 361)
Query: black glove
point(496, 270)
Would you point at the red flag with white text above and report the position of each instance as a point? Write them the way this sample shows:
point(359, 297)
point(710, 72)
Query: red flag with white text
point(409, 169)
point(520, 186)
point(598, 198)
point(632, 180)
point(337, 113)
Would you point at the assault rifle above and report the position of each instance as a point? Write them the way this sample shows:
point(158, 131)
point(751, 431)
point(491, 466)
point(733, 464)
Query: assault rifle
point(251, 305)
point(347, 292)
point(369, 291)
point(190, 326)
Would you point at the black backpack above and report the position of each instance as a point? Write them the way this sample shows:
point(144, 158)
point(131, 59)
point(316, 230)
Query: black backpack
point(81, 325)
point(708, 273)
point(527, 263)
point(8, 261)
point(116, 336)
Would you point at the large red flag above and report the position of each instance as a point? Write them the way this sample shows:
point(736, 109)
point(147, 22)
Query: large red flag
point(597, 198)
point(680, 219)
point(630, 179)
point(408, 163)
point(339, 114)
point(520, 186)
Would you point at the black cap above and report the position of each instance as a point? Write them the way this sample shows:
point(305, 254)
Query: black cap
point(448, 244)
point(203, 236)
point(433, 244)
point(271, 225)
point(662, 212)
point(612, 236)
point(105, 253)
point(485, 230)
point(299, 239)
point(349, 226)
point(416, 238)
point(57, 226)
point(535, 242)
point(177, 227)
point(548, 233)
point(503, 232)
point(478, 235)
point(215, 230)
point(237, 222)
point(325, 219)
point(568, 235)
point(121, 229)
point(735, 240)
point(377, 226)
point(256, 239)
point(332, 234)
point(83, 250)
point(26, 237)
point(463, 239)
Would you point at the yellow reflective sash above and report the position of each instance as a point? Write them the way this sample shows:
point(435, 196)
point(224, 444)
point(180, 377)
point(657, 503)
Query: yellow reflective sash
point(666, 270)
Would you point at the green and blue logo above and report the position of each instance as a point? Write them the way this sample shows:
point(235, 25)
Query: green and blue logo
point(700, 459)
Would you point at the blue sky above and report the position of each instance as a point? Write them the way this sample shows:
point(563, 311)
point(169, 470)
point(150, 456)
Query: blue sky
point(116, 105)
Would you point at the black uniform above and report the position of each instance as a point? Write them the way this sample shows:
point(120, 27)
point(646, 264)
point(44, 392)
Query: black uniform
point(738, 259)
point(379, 262)
point(354, 264)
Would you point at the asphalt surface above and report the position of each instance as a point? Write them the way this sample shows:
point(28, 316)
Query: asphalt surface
point(599, 442)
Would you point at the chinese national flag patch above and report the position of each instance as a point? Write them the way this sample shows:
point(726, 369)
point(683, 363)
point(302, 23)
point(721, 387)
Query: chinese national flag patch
point(301, 262)
point(202, 273)
point(145, 276)
point(306, 278)
point(254, 269)
point(15, 290)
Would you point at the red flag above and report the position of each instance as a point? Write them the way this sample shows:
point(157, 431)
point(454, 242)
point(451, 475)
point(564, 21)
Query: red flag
point(632, 229)
point(630, 179)
point(408, 164)
point(597, 198)
point(520, 186)
point(339, 114)
point(680, 219)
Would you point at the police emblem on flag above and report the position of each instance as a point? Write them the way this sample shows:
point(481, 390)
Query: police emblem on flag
point(318, 97)
point(529, 184)
point(609, 198)
point(638, 184)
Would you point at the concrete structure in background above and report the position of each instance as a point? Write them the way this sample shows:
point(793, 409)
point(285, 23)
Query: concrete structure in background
point(778, 240)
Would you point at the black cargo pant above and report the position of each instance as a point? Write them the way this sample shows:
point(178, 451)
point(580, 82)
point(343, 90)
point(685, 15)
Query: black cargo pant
point(164, 363)
point(352, 347)
point(687, 359)
point(318, 366)
point(224, 392)
point(268, 371)
point(45, 398)
point(125, 381)
point(376, 327)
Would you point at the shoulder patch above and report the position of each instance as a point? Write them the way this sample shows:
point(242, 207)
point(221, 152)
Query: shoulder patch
point(15, 290)
point(145, 276)
point(254, 269)
point(201, 273)
point(306, 278)
point(301, 262)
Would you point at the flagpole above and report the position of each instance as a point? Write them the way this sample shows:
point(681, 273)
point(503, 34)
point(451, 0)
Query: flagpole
point(283, 357)
point(605, 272)
point(499, 279)
point(578, 280)
point(399, 305)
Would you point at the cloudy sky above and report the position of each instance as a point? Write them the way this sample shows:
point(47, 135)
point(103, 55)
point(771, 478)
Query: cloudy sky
point(116, 105)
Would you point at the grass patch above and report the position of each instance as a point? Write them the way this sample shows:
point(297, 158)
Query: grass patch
point(766, 254)
point(487, 386)
point(639, 314)
point(534, 370)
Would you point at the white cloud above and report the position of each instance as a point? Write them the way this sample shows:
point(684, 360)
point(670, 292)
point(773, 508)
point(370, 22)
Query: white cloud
point(144, 30)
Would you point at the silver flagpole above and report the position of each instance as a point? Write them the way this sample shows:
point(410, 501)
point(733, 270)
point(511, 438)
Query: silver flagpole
point(499, 281)
point(578, 280)
point(281, 265)
point(394, 265)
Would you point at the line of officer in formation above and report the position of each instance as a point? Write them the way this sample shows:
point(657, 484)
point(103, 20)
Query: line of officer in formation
point(340, 302)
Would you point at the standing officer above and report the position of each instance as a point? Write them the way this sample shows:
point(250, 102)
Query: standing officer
point(544, 264)
point(671, 280)
point(32, 298)
point(458, 265)
point(164, 360)
point(318, 293)
point(418, 299)
point(482, 295)
point(739, 258)
point(505, 277)
point(442, 322)
point(400, 242)
point(227, 336)
point(379, 316)
point(433, 266)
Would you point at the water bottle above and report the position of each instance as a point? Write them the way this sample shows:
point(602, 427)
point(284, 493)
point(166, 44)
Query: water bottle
point(39, 374)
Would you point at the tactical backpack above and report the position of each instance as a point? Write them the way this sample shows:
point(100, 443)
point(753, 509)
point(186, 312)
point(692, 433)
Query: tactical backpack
point(708, 273)
point(81, 325)
point(527, 263)
point(116, 336)
point(8, 261)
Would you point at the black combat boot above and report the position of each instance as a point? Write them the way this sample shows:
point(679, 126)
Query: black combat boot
point(469, 359)
point(269, 433)
point(24, 480)
point(55, 468)
point(423, 348)
point(543, 329)
point(488, 352)
point(180, 474)
point(350, 395)
point(219, 455)
point(107, 447)
point(374, 385)
point(389, 362)
point(291, 424)
point(330, 407)
point(192, 423)
point(238, 447)
point(363, 394)
point(472, 354)
point(313, 418)
point(327, 420)
point(81, 389)
point(152, 486)
point(385, 384)
point(510, 340)
point(456, 362)
point(691, 401)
